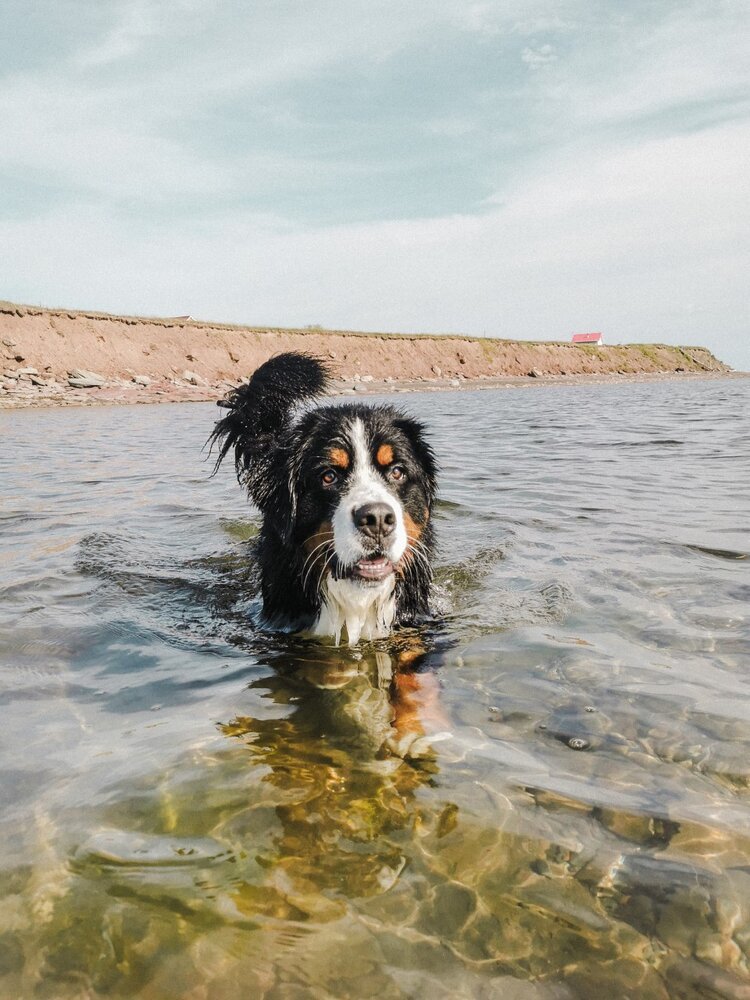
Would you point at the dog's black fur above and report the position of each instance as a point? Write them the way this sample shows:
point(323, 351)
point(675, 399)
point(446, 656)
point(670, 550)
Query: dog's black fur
point(281, 456)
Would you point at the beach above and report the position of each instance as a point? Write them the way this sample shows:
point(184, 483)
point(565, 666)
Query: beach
point(59, 357)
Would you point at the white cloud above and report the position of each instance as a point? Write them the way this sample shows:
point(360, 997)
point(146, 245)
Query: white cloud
point(491, 18)
point(104, 121)
point(691, 56)
point(540, 56)
point(133, 24)
point(81, 139)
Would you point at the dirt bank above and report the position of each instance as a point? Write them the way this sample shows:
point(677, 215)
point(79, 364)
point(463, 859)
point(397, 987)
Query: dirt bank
point(55, 356)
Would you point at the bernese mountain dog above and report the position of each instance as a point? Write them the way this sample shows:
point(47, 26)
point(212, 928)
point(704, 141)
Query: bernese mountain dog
point(346, 493)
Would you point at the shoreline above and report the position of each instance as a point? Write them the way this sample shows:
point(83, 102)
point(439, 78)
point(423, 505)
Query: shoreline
point(60, 357)
point(129, 394)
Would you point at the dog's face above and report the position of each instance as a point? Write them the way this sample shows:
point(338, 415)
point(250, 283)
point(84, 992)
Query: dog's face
point(361, 483)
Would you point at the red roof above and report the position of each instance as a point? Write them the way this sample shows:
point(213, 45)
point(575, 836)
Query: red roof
point(586, 338)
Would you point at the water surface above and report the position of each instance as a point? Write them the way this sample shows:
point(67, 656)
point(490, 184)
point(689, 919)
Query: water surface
point(194, 808)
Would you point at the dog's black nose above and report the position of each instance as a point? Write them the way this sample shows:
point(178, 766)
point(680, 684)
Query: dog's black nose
point(376, 520)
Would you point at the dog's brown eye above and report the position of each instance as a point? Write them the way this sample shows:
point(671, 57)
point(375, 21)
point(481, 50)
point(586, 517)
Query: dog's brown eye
point(329, 477)
point(397, 473)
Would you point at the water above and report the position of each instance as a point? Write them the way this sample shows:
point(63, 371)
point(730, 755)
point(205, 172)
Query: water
point(194, 809)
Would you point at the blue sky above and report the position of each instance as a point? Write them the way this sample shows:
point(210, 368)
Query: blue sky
point(515, 169)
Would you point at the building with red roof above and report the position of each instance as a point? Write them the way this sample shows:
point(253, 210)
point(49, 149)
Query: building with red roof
point(588, 338)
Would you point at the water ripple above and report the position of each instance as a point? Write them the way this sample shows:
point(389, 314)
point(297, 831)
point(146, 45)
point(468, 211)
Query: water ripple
point(561, 795)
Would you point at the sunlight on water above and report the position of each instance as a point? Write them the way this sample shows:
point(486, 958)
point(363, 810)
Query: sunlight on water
point(556, 804)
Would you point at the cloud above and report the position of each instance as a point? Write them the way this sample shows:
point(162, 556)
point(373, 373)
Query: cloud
point(490, 18)
point(536, 57)
point(689, 57)
point(133, 24)
point(186, 98)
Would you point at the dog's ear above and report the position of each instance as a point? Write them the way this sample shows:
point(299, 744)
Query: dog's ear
point(413, 431)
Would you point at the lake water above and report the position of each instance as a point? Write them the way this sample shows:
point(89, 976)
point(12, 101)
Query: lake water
point(194, 809)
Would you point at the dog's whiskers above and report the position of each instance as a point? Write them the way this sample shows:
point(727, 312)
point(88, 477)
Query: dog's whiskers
point(326, 541)
point(326, 564)
point(326, 560)
point(310, 559)
point(416, 554)
point(317, 553)
point(311, 566)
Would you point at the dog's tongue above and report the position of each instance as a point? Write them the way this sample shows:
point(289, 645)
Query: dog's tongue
point(373, 569)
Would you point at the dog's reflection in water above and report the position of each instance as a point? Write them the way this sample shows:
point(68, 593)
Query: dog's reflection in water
point(345, 762)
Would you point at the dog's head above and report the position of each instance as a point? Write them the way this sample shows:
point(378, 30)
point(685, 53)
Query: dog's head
point(361, 484)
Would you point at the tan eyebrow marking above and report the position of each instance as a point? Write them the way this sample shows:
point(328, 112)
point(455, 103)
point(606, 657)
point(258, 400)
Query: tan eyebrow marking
point(384, 454)
point(339, 458)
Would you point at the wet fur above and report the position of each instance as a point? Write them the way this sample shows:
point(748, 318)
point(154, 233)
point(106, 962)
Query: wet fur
point(279, 455)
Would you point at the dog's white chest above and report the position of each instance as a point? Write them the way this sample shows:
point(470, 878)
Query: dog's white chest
point(360, 611)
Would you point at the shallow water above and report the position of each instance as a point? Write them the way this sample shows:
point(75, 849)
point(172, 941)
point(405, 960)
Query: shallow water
point(193, 808)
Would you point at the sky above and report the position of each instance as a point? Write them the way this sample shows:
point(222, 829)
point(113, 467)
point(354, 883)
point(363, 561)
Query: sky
point(489, 167)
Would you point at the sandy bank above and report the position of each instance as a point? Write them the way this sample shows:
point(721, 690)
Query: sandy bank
point(47, 357)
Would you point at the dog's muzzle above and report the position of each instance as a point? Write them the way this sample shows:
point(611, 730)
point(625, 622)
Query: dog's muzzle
point(375, 523)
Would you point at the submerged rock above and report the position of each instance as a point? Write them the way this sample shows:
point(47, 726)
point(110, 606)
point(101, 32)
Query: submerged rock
point(118, 847)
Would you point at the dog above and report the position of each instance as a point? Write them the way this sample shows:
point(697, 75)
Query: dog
point(346, 492)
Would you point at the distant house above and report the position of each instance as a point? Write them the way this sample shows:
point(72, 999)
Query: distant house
point(588, 338)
